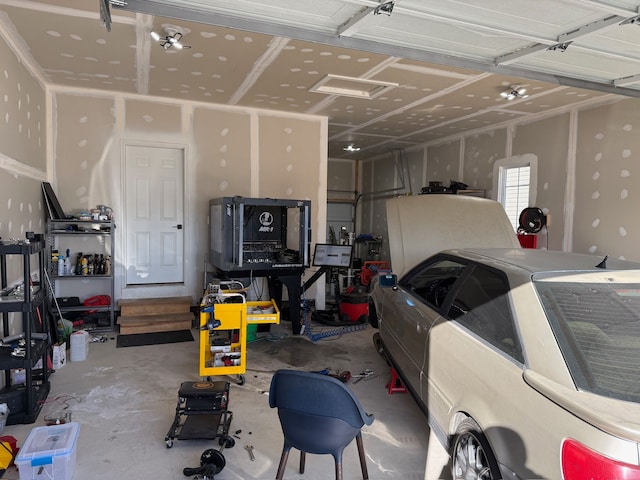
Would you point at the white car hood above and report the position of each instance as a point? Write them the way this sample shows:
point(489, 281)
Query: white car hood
point(422, 225)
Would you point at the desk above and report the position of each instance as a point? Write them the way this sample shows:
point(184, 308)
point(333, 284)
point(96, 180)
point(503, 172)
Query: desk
point(276, 278)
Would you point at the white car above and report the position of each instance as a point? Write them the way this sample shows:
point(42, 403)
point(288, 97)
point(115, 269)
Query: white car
point(526, 362)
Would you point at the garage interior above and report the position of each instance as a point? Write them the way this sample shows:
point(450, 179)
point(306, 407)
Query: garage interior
point(344, 105)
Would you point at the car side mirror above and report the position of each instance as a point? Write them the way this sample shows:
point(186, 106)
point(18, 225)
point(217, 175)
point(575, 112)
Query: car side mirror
point(388, 280)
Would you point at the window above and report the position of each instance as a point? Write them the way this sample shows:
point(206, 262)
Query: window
point(433, 282)
point(482, 305)
point(598, 330)
point(515, 184)
point(516, 192)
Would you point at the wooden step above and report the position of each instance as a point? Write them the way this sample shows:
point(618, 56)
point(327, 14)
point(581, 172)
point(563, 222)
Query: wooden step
point(154, 306)
point(155, 323)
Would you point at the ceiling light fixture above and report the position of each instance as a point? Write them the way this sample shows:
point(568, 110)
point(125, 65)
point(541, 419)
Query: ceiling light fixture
point(513, 92)
point(386, 8)
point(351, 148)
point(170, 40)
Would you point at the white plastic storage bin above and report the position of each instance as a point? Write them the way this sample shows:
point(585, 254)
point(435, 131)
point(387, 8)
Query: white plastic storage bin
point(49, 453)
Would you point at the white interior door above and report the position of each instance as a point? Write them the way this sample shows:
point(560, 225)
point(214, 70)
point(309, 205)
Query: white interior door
point(154, 198)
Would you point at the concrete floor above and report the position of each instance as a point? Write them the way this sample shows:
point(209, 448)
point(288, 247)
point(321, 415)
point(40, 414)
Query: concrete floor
point(125, 400)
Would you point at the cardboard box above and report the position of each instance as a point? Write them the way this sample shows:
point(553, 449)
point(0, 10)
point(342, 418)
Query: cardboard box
point(59, 355)
point(49, 452)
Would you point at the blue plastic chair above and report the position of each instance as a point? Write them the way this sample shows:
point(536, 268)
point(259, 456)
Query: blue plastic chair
point(318, 415)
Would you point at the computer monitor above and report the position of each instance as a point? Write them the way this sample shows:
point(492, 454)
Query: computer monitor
point(327, 255)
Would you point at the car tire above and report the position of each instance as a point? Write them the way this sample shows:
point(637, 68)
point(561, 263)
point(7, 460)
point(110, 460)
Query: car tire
point(377, 342)
point(471, 455)
point(373, 314)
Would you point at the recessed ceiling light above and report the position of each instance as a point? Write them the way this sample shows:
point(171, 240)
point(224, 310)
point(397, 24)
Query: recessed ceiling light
point(351, 148)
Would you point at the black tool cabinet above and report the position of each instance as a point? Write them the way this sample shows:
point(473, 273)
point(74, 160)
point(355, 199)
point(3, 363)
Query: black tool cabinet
point(26, 300)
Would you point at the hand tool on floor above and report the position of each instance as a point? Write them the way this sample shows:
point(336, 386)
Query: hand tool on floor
point(249, 449)
point(366, 374)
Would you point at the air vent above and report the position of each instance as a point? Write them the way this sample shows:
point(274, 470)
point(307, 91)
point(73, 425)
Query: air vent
point(351, 86)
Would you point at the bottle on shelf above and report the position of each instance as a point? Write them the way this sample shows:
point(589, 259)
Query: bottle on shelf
point(67, 263)
point(55, 258)
point(61, 266)
point(85, 266)
point(78, 270)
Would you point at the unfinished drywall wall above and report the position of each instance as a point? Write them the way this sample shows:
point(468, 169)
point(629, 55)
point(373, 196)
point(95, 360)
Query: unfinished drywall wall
point(22, 116)
point(415, 170)
point(548, 139)
point(443, 162)
point(85, 173)
point(221, 162)
point(22, 164)
point(341, 181)
point(607, 172)
point(480, 153)
point(586, 171)
point(228, 151)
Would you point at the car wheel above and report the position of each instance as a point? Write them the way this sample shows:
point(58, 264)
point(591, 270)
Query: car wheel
point(377, 342)
point(373, 314)
point(471, 456)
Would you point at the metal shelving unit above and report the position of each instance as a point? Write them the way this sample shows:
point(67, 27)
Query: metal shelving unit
point(24, 399)
point(98, 237)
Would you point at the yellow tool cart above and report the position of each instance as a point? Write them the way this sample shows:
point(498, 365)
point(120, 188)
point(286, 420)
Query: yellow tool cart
point(224, 318)
point(223, 339)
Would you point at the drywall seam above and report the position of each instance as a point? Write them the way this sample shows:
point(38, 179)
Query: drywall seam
point(20, 49)
point(425, 165)
point(254, 153)
point(15, 167)
point(461, 160)
point(144, 24)
point(273, 51)
point(570, 188)
point(51, 129)
point(508, 148)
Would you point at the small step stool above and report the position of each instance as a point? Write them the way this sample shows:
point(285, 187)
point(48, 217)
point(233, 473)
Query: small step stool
point(395, 385)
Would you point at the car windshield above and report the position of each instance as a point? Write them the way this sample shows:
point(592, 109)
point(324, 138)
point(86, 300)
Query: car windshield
point(597, 326)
